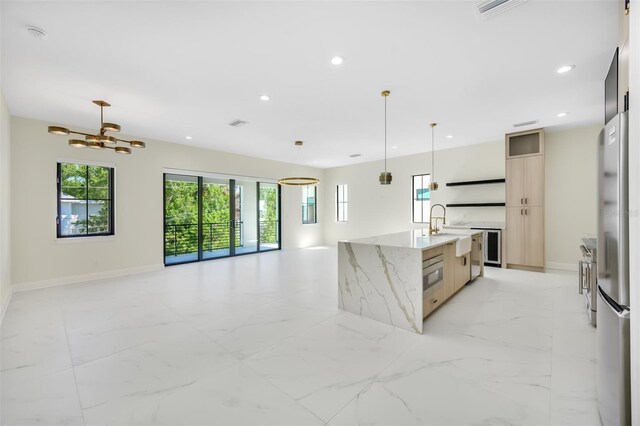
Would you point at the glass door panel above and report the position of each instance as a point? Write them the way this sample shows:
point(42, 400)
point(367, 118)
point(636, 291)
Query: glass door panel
point(180, 219)
point(269, 214)
point(216, 216)
point(246, 217)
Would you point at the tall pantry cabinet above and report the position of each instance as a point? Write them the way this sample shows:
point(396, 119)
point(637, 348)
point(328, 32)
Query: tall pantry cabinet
point(525, 199)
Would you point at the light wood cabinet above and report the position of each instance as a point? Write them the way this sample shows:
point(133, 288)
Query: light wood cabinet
point(525, 181)
point(522, 144)
point(476, 257)
point(525, 202)
point(433, 300)
point(462, 271)
point(525, 238)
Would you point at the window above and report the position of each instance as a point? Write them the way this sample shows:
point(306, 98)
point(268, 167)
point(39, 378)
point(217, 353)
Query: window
point(85, 200)
point(342, 213)
point(421, 198)
point(309, 206)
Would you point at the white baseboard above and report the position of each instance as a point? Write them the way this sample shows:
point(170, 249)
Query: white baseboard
point(562, 266)
point(5, 305)
point(73, 279)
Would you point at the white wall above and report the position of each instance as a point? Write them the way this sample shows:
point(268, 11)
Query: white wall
point(380, 209)
point(5, 208)
point(571, 186)
point(570, 191)
point(39, 259)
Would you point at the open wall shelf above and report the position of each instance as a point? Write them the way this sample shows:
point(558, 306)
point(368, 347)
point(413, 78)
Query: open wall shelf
point(476, 205)
point(476, 182)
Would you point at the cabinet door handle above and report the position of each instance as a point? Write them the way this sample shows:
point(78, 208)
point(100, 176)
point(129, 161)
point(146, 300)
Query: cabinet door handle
point(525, 212)
point(525, 201)
point(464, 261)
point(435, 301)
point(521, 202)
point(521, 212)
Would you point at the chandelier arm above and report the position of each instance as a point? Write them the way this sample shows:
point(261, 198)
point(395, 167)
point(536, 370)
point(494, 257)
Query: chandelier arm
point(80, 133)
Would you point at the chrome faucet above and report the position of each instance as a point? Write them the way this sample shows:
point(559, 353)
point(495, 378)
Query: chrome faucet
point(435, 230)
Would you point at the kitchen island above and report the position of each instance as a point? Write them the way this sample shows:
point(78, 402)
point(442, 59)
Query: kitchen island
point(401, 278)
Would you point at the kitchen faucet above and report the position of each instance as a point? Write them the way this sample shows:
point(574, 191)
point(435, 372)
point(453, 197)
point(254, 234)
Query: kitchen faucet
point(435, 230)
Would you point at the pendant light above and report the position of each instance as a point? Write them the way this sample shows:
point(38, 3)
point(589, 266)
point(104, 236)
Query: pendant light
point(433, 186)
point(385, 177)
point(298, 180)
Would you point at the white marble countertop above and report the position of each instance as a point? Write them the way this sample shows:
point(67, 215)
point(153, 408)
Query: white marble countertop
point(416, 239)
point(475, 224)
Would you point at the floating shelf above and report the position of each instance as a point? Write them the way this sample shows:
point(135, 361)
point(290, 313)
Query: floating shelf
point(476, 182)
point(476, 205)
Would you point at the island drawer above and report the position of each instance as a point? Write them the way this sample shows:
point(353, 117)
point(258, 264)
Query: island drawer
point(432, 299)
point(428, 254)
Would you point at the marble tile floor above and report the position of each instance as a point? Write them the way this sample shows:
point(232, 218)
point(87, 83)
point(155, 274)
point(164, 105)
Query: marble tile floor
point(259, 340)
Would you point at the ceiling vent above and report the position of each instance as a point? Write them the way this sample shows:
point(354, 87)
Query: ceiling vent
point(525, 123)
point(238, 123)
point(490, 8)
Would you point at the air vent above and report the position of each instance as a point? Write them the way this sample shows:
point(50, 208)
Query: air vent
point(490, 8)
point(355, 155)
point(525, 123)
point(238, 123)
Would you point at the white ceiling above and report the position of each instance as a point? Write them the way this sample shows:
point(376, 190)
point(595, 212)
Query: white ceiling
point(172, 69)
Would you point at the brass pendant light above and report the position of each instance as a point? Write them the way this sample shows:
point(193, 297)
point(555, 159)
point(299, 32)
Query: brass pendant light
point(101, 140)
point(385, 177)
point(433, 186)
point(298, 180)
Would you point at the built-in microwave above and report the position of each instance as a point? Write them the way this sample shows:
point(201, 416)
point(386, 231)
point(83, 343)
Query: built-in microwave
point(432, 272)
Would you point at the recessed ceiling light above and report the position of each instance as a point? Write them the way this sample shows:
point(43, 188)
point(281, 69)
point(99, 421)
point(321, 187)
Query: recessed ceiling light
point(394, 147)
point(563, 114)
point(565, 69)
point(449, 136)
point(264, 97)
point(37, 32)
point(337, 60)
point(188, 137)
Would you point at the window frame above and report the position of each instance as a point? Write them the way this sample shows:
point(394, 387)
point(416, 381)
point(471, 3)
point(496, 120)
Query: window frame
point(414, 199)
point(344, 201)
point(305, 203)
point(110, 200)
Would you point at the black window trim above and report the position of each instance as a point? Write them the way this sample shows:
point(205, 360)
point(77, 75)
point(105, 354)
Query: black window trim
point(305, 220)
point(338, 202)
point(112, 172)
point(414, 199)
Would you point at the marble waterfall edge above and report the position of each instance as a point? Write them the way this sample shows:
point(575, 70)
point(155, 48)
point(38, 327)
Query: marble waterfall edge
point(383, 283)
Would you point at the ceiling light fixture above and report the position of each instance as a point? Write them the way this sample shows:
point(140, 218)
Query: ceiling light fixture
point(565, 69)
point(298, 180)
point(385, 177)
point(36, 32)
point(264, 97)
point(433, 186)
point(449, 136)
point(337, 60)
point(563, 114)
point(188, 138)
point(394, 147)
point(101, 140)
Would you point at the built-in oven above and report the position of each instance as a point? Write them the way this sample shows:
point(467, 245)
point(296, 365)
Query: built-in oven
point(432, 272)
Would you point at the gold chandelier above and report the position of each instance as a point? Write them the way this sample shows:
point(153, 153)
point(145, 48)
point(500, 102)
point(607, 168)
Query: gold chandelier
point(298, 180)
point(100, 140)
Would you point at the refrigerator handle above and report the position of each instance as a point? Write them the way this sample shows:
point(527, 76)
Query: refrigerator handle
point(580, 276)
point(620, 311)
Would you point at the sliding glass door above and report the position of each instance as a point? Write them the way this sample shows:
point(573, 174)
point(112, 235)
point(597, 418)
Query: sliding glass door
point(207, 218)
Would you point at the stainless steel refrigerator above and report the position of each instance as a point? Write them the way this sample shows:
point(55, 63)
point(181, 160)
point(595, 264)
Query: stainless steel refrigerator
point(613, 335)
